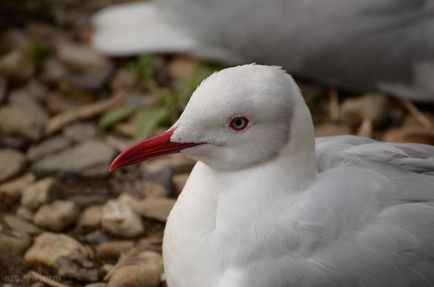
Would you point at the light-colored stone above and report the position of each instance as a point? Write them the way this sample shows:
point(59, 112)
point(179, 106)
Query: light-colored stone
point(11, 190)
point(90, 219)
point(27, 119)
point(78, 160)
point(24, 213)
point(12, 244)
point(119, 219)
point(113, 249)
point(67, 255)
point(48, 147)
point(80, 132)
point(21, 225)
point(16, 64)
point(38, 193)
point(153, 208)
point(154, 189)
point(11, 163)
point(142, 269)
point(57, 215)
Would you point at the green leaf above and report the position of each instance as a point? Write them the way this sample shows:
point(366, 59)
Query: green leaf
point(115, 115)
point(147, 120)
point(143, 69)
point(37, 50)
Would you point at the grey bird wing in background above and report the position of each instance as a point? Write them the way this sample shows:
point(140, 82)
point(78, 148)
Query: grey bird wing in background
point(358, 45)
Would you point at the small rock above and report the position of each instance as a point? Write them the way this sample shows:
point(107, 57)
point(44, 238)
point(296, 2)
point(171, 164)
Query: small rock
point(48, 147)
point(137, 270)
point(92, 79)
point(159, 170)
point(118, 218)
point(17, 65)
point(80, 132)
point(373, 107)
point(53, 70)
point(77, 160)
point(20, 225)
point(10, 191)
point(179, 181)
point(113, 249)
point(79, 56)
point(38, 193)
point(24, 213)
point(123, 79)
point(57, 215)
point(15, 39)
point(154, 189)
point(11, 163)
point(23, 119)
point(64, 253)
point(90, 219)
point(153, 208)
point(12, 244)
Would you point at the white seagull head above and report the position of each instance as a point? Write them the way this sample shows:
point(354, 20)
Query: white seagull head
point(237, 118)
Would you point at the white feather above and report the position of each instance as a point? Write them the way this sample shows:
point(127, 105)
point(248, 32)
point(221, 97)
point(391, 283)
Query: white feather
point(349, 212)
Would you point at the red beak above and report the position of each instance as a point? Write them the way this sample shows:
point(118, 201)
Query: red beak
point(149, 148)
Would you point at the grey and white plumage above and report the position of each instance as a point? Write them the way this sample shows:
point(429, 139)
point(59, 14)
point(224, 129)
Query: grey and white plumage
point(269, 205)
point(360, 45)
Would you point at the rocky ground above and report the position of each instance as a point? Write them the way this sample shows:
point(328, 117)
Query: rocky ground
point(66, 111)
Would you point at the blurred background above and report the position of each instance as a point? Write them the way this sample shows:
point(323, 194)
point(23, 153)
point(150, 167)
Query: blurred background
point(66, 110)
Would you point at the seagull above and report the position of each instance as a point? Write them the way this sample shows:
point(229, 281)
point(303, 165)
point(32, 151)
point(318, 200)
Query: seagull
point(267, 204)
point(352, 44)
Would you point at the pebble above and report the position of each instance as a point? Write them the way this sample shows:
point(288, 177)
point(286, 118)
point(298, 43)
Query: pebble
point(50, 146)
point(119, 219)
point(67, 255)
point(373, 107)
point(24, 213)
point(17, 65)
point(57, 215)
point(79, 160)
point(137, 270)
point(23, 119)
point(79, 56)
point(113, 249)
point(12, 244)
point(90, 219)
point(12, 162)
point(154, 189)
point(38, 193)
point(10, 191)
point(152, 208)
point(80, 132)
point(21, 225)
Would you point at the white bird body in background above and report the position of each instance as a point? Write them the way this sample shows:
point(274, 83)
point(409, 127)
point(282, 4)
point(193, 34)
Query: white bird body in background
point(268, 205)
point(358, 45)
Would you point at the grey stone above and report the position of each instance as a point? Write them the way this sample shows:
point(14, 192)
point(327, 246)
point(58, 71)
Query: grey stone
point(50, 146)
point(57, 215)
point(80, 132)
point(84, 157)
point(12, 162)
point(27, 119)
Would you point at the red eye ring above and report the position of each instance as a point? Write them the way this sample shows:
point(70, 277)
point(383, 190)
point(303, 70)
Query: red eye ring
point(239, 123)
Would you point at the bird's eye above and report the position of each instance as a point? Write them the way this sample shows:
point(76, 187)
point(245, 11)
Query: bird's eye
point(239, 123)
